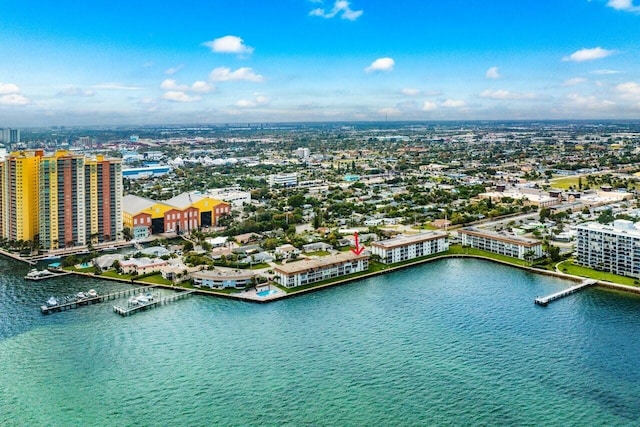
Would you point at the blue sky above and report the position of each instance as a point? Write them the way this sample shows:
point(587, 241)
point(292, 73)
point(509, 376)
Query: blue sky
point(151, 62)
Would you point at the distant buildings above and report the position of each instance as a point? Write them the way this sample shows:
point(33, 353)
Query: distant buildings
point(284, 180)
point(60, 200)
point(233, 196)
point(300, 273)
point(10, 136)
point(303, 153)
point(145, 172)
point(513, 246)
point(405, 248)
point(183, 213)
point(614, 247)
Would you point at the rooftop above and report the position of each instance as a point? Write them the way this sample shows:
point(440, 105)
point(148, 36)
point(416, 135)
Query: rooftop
point(316, 263)
point(409, 239)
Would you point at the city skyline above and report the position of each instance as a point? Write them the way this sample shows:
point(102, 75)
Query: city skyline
point(311, 60)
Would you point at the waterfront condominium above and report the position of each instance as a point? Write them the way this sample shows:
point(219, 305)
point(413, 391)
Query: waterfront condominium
point(404, 248)
point(612, 247)
point(314, 270)
point(61, 200)
point(500, 243)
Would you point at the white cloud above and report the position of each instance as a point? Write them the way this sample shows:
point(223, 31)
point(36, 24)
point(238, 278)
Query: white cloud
point(201, 87)
point(198, 86)
point(588, 54)
point(13, 99)
point(626, 5)
point(252, 103)
point(381, 64)
point(229, 44)
point(115, 86)
point(340, 6)
point(10, 95)
point(629, 90)
point(410, 91)
point(429, 106)
point(454, 103)
point(493, 73)
point(7, 88)
point(224, 74)
point(501, 94)
point(171, 71)
point(574, 81)
point(179, 96)
point(605, 72)
point(576, 100)
point(170, 84)
point(75, 91)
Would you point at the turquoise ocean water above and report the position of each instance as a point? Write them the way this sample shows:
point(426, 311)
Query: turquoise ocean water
point(453, 342)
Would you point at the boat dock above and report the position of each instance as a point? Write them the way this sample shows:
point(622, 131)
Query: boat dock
point(46, 309)
point(46, 274)
point(126, 311)
point(544, 301)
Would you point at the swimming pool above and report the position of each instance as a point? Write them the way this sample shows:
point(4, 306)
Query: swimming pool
point(266, 293)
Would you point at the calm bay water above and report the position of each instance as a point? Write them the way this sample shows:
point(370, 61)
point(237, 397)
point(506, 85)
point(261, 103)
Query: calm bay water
point(454, 342)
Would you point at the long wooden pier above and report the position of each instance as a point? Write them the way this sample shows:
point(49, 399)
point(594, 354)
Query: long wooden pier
point(45, 309)
point(544, 301)
point(126, 311)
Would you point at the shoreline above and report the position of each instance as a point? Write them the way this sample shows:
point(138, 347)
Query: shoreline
point(346, 280)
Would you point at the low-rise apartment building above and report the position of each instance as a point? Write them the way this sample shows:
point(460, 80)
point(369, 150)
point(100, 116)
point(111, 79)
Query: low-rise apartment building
point(499, 243)
point(403, 248)
point(216, 279)
point(314, 270)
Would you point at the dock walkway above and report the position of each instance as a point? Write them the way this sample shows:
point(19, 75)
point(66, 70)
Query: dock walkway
point(45, 309)
point(544, 301)
point(46, 276)
point(126, 311)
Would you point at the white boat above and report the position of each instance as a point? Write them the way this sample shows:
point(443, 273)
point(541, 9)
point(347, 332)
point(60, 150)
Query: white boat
point(36, 274)
point(92, 293)
point(133, 301)
point(81, 295)
point(52, 302)
point(149, 296)
point(142, 299)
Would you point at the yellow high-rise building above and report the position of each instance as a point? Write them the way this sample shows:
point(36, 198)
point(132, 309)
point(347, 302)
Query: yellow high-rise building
point(20, 195)
point(61, 200)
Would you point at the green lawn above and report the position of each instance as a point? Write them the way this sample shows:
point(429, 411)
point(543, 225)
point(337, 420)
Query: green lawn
point(457, 249)
point(157, 279)
point(428, 226)
point(564, 183)
point(114, 274)
point(570, 268)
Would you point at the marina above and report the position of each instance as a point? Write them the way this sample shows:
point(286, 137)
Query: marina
point(54, 305)
point(544, 301)
point(142, 304)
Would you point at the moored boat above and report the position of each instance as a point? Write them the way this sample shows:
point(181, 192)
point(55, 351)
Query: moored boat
point(36, 274)
point(92, 293)
point(52, 302)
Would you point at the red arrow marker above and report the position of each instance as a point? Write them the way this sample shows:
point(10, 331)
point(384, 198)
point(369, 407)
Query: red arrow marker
point(358, 249)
